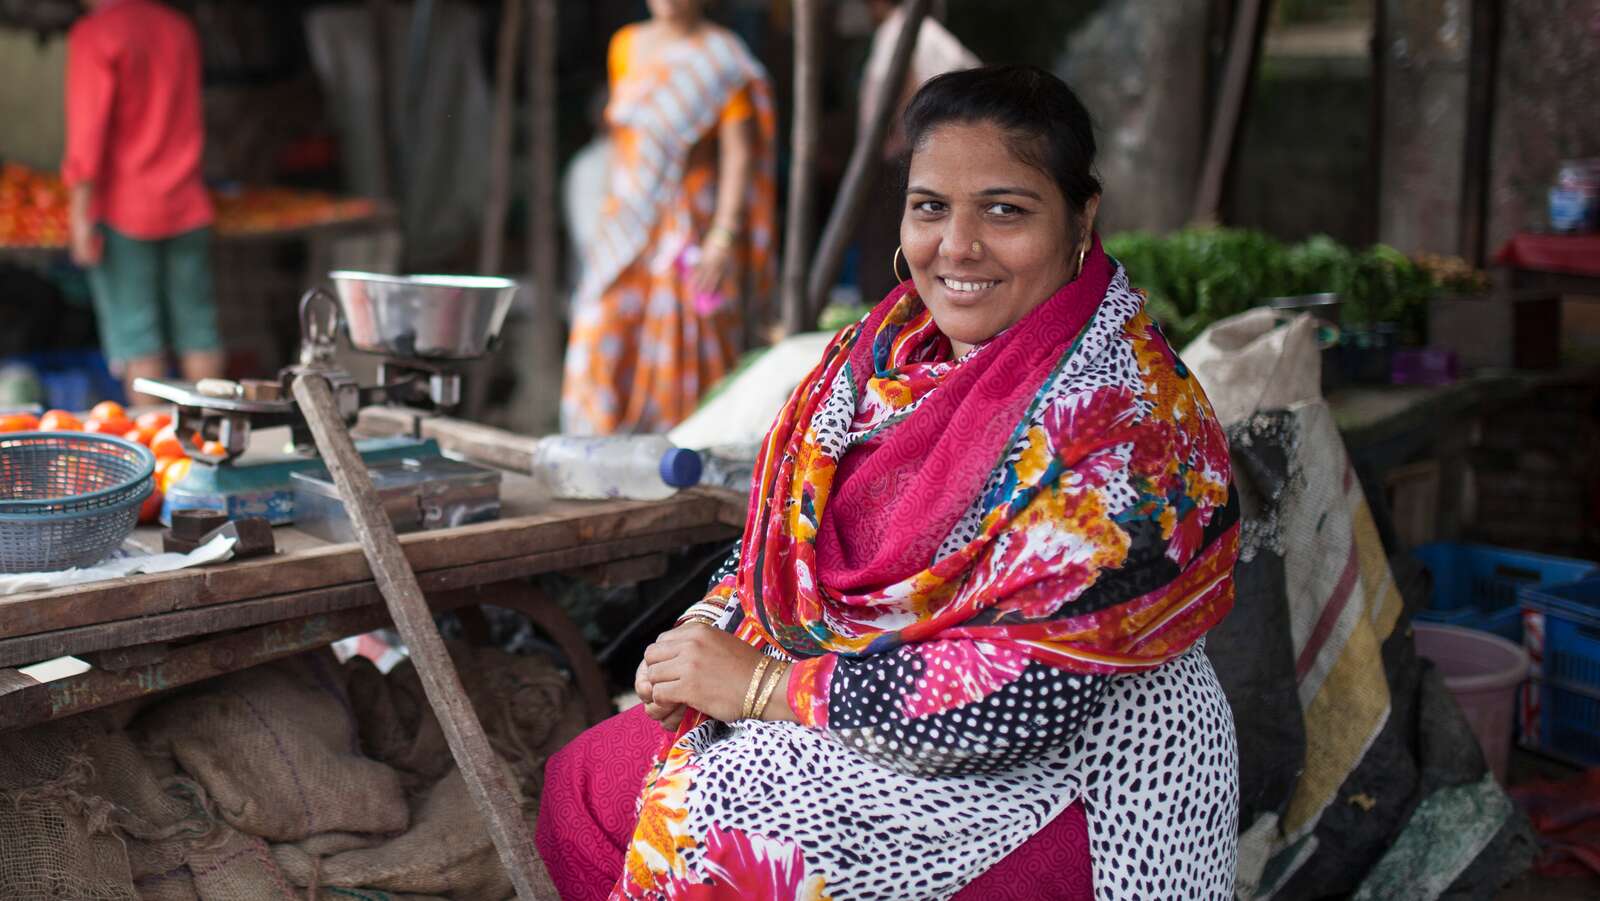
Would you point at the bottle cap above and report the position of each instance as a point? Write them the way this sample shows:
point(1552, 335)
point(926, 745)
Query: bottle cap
point(680, 468)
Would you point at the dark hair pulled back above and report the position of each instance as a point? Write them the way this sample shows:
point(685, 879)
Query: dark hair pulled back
point(1046, 124)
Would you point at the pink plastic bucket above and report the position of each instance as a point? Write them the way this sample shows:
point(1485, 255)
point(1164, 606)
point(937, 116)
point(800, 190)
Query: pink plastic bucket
point(1482, 671)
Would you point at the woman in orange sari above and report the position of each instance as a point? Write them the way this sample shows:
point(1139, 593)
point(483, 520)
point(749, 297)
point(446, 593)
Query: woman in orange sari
point(685, 244)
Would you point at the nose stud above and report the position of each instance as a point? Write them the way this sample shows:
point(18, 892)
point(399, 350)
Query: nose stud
point(977, 247)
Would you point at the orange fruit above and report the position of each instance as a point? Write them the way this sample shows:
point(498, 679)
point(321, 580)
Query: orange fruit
point(155, 420)
point(60, 421)
point(150, 510)
point(19, 422)
point(119, 426)
point(167, 444)
point(173, 474)
point(108, 409)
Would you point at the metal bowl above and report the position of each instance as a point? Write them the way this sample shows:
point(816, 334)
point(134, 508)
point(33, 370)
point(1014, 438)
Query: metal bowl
point(437, 317)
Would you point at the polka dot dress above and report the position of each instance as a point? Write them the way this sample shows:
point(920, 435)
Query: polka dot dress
point(939, 758)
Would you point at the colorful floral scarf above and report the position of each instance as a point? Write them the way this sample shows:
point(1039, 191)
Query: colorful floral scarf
point(853, 555)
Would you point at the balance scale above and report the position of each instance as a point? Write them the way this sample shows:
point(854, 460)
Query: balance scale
point(425, 329)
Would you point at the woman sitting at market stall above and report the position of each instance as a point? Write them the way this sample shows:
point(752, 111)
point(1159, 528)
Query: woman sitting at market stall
point(961, 644)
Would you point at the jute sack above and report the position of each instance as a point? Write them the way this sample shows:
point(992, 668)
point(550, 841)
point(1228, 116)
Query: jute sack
point(276, 748)
point(56, 842)
point(529, 710)
point(84, 815)
point(447, 851)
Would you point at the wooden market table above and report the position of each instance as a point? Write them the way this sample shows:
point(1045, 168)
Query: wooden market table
point(150, 633)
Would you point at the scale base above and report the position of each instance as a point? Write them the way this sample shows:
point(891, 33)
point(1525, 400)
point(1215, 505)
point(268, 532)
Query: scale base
point(265, 489)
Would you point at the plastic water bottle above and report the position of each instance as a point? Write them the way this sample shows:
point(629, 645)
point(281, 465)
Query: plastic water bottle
point(636, 467)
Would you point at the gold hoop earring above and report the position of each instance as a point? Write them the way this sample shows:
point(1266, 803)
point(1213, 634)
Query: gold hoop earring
point(894, 266)
point(1083, 251)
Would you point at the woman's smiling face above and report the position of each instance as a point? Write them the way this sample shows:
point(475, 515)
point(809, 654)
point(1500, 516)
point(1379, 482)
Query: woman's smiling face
point(988, 236)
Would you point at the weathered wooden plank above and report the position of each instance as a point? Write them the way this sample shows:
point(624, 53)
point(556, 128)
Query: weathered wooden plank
point(23, 700)
point(469, 745)
point(478, 443)
point(330, 565)
point(128, 656)
point(623, 572)
point(24, 649)
point(196, 662)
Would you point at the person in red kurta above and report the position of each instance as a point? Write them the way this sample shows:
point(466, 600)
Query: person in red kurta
point(140, 213)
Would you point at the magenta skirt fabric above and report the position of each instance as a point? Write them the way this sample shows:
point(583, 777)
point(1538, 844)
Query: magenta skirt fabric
point(591, 792)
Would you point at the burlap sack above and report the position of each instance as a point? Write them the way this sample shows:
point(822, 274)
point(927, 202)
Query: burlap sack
point(233, 866)
point(1261, 359)
point(55, 841)
point(447, 851)
point(528, 708)
point(277, 750)
point(84, 815)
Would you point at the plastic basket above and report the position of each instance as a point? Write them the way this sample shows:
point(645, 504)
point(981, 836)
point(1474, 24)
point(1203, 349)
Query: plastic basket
point(1476, 586)
point(1561, 708)
point(67, 498)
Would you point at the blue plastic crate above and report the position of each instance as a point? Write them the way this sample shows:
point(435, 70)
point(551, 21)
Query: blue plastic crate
point(1562, 637)
point(1476, 585)
point(73, 380)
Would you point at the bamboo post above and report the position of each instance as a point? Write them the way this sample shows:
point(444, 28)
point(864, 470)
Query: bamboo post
point(865, 159)
point(491, 246)
point(378, 19)
point(802, 164)
point(1239, 67)
point(543, 238)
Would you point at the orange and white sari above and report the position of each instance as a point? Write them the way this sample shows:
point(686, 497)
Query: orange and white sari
point(642, 351)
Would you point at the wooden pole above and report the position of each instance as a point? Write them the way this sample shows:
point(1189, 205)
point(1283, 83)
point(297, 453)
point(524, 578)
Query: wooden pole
point(491, 245)
point(543, 238)
point(1482, 54)
point(378, 18)
point(865, 161)
point(485, 777)
point(1244, 48)
point(802, 163)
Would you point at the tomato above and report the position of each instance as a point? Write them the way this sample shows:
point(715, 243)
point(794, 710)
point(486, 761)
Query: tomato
point(214, 449)
point(108, 409)
point(173, 474)
point(119, 426)
point(60, 421)
point(155, 421)
point(143, 435)
point(19, 422)
point(150, 510)
point(167, 444)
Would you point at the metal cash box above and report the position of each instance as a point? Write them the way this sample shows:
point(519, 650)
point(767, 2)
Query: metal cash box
point(418, 494)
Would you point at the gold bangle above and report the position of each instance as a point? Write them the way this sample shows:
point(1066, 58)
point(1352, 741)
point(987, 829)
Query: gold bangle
point(702, 618)
point(718, 236)
point(755, 686)
point(778, 672)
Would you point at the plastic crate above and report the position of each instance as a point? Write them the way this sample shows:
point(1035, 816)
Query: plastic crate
point(1561, 706)
point(1476, 585)
point(73, 380)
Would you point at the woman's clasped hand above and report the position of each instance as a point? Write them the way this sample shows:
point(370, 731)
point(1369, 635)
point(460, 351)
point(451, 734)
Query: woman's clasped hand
point(706, 669)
